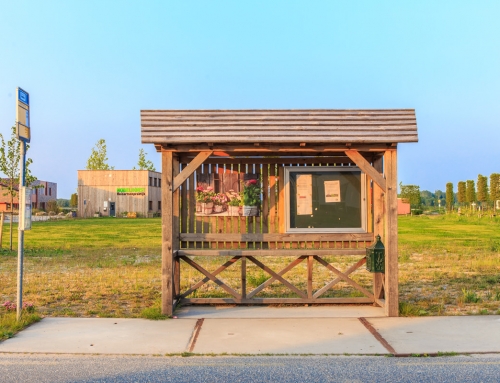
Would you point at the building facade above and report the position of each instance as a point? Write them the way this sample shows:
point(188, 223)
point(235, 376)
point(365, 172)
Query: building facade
point(42, 192)
point(113, 192)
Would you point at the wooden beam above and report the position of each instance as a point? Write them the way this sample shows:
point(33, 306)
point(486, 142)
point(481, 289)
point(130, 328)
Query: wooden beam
point(275, 237)
point(167, 286)
point(192, 166)
point(391, 238)
point(365, 166)
point(176, 228)
point(378, 227)
point(272, 301)
point(273, 252)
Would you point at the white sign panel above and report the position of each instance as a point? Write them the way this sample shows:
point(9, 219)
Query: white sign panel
point(25, 201)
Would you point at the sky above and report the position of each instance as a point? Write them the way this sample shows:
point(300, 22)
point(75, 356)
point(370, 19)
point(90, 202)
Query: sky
point(91, 66)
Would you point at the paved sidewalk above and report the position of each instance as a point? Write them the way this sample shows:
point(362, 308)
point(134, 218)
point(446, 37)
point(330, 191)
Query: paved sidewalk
point(263, 330)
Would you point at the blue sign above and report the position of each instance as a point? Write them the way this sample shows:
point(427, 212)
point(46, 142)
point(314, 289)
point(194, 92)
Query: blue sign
point(23, 96)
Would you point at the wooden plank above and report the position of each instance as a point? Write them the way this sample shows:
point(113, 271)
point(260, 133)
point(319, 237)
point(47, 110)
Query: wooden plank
point(344, 277)
point(192, 203)
point(211, 277)
point(269, 161)
point(378, 227)
point(269, 237)
point(310, 260)
point(391, 239)
point(176, 228)
point(365, 166)
point(281, 199)
point(190, 168)
point(329, 285)
point(265, 198)
point(275, 301)
point(167, 235)
point(269, 252)
point(243, 278)
point(277, 276)
point(206, 279)
point(289, 267)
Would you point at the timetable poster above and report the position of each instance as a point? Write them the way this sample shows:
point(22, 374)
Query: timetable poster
point(304, 194)
point(332, 191)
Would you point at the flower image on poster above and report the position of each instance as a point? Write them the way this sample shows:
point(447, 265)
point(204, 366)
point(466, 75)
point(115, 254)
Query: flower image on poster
point(332, 191)
point(304, 194)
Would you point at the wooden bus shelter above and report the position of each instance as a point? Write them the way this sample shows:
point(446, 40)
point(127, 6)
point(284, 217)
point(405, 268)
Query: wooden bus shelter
point(223, 148)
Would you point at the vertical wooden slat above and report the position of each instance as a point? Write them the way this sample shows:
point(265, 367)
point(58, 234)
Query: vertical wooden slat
point(166, 229)
point(378, 227)
point(184, 208)
point(272, 203)
point(391, 239)
point(243, 277)
point(192, 204)
point(265, 198)
point(310, 260)
point(281, 199)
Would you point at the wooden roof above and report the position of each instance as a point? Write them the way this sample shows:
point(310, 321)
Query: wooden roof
point(325, 126)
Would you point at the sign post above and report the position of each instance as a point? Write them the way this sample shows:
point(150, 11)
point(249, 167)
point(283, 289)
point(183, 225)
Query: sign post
point(24, 135)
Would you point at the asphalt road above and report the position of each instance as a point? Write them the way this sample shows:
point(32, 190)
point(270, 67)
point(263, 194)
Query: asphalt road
point(353, 369)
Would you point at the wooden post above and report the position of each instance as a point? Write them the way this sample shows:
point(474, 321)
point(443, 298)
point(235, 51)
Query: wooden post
point(378, 227)
point(167, 287)
point(391, 238)
point(176, 229)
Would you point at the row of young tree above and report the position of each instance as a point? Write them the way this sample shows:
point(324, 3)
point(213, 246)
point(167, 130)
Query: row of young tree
point(98, 160)
point(482, 195)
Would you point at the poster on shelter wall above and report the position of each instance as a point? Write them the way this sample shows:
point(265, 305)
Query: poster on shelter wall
point(332, 191)
point(304, 194)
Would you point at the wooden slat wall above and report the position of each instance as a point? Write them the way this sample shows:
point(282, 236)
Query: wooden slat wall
point(263, 232)
point(278, 126)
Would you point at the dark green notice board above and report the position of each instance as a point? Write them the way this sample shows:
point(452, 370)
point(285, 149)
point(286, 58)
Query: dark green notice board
point(335, 201)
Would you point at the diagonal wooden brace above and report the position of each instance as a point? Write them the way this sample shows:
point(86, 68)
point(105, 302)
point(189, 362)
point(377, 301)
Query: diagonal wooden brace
point(365, 166)
point(206, 279)
point(278, 277)
point(272, 279)
point(344, 277)
point(211, 277)
point(188, 170)
point(350, 270)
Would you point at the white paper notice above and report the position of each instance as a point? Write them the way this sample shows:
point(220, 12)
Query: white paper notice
point(332, 191)
point(304, 194)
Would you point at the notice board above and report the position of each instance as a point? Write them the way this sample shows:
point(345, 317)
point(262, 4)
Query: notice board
point(326, 199)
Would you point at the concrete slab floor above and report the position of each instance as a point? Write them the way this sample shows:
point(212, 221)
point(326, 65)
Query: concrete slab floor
point(102, 335)
point(287, 336)
point(239, 312)
point(440, 334)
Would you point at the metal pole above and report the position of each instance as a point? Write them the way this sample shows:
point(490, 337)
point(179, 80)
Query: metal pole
point(20, 243)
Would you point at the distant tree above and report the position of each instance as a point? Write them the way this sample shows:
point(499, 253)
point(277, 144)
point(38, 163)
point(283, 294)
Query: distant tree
point(143, 163)
point(462, 192)
point(10, 155)
point(494, 188)
point(439, 197)
point(98, 159)
point(427, 198)
point(482, 189)
point(52, 206)
point(62, 202)
point(412, 194)
point(449, 196)
point(73, 202)
point(470, 191)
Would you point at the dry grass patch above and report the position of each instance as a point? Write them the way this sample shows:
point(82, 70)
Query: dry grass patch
point(112, 268)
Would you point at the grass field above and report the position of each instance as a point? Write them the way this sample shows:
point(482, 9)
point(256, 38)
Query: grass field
point(103, 267)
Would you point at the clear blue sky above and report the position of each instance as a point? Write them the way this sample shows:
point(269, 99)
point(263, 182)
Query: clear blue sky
point(91, 66)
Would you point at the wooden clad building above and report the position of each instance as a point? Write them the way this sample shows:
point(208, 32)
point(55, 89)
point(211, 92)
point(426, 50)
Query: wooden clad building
point(112, 192)
point(328, 182)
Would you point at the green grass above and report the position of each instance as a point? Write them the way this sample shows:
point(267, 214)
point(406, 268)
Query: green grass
point(112, 268)
point(9, 325)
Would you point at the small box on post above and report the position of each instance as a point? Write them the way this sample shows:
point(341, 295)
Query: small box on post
point(375, 257)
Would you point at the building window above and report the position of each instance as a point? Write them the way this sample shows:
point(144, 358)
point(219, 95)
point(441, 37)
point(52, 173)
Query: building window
point(150, 207)
point(150, 181)
point(159, 205)
point(159, 182)
point(156, 180)
point(45, 190)
point(50, 191)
